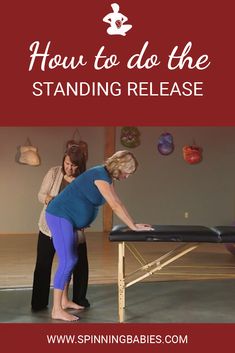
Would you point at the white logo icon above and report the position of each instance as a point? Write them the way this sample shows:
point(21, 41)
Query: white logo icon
point(116, 21)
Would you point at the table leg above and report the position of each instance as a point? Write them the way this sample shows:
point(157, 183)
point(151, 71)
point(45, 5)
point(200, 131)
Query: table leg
point(121, 281)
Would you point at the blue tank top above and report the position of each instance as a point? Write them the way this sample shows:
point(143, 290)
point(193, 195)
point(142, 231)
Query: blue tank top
point(80, 200)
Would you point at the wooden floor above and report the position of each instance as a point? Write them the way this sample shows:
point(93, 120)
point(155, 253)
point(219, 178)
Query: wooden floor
point(208, 261)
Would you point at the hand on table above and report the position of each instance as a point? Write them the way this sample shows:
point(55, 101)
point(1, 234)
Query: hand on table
point(143, 227)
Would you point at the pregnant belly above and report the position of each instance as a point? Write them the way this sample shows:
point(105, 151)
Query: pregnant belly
point(86, 216)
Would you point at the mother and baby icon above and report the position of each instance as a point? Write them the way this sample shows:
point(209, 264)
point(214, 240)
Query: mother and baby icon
point(116, 21)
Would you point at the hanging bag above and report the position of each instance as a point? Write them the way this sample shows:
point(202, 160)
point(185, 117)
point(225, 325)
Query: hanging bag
point(130, 136)
point(28, 154)
point(192, 154)
point(165, 144)
point(77, 140)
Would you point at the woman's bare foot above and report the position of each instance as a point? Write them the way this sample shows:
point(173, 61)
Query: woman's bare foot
point(68, 304)
point(61, 314)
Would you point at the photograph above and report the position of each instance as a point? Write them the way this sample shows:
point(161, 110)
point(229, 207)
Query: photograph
point(117, 129)
point(168, 190)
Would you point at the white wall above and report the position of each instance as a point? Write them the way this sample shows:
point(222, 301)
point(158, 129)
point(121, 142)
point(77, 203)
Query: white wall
point(165, 187)
point(19, 184)
point(161, 191)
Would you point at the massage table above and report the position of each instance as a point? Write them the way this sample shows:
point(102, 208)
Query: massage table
point(189, 236)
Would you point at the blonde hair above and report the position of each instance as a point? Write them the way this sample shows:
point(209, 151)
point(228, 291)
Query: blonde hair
point(121, 162)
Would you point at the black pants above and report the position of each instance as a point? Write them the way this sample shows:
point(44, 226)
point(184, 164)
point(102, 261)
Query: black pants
point(42, 274)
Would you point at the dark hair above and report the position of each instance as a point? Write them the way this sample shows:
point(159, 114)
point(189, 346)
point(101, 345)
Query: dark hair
point(81, 144)
point(77, 157)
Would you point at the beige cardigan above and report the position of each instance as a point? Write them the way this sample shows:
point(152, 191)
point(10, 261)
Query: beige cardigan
point(50, 186)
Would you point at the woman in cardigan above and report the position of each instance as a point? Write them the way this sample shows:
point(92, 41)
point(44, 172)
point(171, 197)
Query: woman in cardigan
point(56, 179)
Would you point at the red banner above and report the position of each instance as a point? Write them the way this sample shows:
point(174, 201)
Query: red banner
point(106, 338)
point(135, 63)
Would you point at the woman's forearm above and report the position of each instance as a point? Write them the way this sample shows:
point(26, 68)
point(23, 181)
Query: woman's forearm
point(45, 188)
point(122, 213)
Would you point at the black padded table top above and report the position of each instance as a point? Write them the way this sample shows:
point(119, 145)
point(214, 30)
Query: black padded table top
point(226, 233)
point(193, 235)
point(168, 233)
